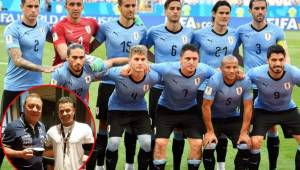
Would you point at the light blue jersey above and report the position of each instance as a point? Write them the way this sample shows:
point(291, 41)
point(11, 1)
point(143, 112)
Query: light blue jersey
point(274, 95)
point(256, 43)
point(180, 92)
point(118, 39)
point(227, 98)
point(31, 41)
point(128, 94)
point(167, 44)
point(213, 47)
point(79, 84)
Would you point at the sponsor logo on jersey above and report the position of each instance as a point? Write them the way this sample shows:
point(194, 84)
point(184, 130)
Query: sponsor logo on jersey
point(208, 90)
point(197, 81)
point(88, 79)
point(136, 36)
point(88, 29)
point(239, 90)
point(53, 82)
point(146, 87)
point(230, 40)
point(184, 39)
point(287, 85)
point(54, 36)
point(9, 39)
point(268, 36)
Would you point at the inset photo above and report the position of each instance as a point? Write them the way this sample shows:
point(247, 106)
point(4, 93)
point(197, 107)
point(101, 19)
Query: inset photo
point(48, 127)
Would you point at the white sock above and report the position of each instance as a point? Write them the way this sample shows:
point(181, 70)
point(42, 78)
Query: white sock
point(220, 165)
point(100, 167)
point(129, 166)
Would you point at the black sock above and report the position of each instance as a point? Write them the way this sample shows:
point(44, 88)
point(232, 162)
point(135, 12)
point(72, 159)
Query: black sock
point(254, 161)
point(130, 143)
point(297, 160)
point(193, 166)
point(144, 159)
point(221, 149)
point(241, 159)
point(159, 166)
point(177, 149)
point(111, 159)
point(209, 159)
point(101, 144)
point(273, 150)
point(1, 156)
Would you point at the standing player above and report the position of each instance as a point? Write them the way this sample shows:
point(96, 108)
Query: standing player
point(221, 115)
point(25, 40)
point(256, 37)
point(72, 29)
point(118, 36)
point(130, 111)
point(167, 40)
point(273, 105)
point(177, 106)
point(214, 43)
point(76, 74)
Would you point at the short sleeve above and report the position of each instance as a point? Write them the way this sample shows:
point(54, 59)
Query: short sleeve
point(11, 37)
point(58, 34)
point(9, 136)
point(88, 138)
point(101, 36)
point(211, 88)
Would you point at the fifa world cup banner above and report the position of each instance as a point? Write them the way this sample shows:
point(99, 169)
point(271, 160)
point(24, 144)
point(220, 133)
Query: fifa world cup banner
point(287, 23)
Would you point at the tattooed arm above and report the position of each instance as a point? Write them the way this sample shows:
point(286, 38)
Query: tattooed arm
point(19, 61)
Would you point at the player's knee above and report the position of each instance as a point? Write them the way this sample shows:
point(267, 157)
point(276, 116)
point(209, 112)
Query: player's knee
point(196, 144)
point(256, 142)
point(161, 143)
point(210, 146)
point(145, 142)
point(113, 143)
point(273, 129)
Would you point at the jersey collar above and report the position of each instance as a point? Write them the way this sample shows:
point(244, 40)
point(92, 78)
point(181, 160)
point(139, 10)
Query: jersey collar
point(174, 32)
point(260, 29)
point(124, 26)
point(212, 30)
point(278, 78)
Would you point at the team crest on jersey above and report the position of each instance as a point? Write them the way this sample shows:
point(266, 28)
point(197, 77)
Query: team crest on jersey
point(268, 36)
point(184, 39)
point(197, 81)
point(208, 90)
point(88, 29)
point(239, 90)
point(230, 40)
point(53, 82)
point(88, 79)
point(287, 85)
point(146, 87)
point(54, 36)
point(136, 36)
point(9, 39)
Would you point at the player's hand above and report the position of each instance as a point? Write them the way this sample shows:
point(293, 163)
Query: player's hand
point(26, 154)
point(125, 71)
point(209, 138)
point(240, 74)
point(96, 64)
point(244, 138)
point(138, 21)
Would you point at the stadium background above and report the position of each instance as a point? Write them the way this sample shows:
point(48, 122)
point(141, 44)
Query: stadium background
point(195, 14)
